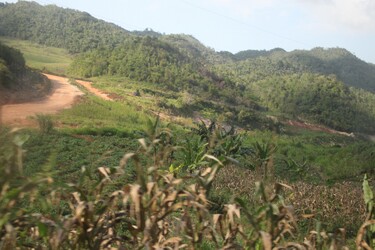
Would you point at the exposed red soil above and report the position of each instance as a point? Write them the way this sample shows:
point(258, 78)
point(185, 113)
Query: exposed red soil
point(95, 91)
point(315, 127)
point(62, 96)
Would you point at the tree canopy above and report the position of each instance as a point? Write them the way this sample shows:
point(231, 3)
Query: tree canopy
point(51, 25)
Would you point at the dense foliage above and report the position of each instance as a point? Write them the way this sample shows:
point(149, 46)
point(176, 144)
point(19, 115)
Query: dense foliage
point(51, 25)
point(253, 65)
point(11, 63)
point(321, 99)
point(175, 61)
point(13, 58)
point(15, 77)
point(173, 67)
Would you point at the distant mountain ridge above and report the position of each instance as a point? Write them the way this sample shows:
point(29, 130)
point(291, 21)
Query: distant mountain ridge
point(247, 54)
point(253, 65)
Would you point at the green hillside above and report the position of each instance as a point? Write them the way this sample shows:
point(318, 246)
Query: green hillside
point(167, 66)
point(252, 65)
point(41, 57)
point(320, 99)
point(58, 27)
point(218, 81)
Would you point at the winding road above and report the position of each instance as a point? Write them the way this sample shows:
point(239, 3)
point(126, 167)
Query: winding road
point(62, 96)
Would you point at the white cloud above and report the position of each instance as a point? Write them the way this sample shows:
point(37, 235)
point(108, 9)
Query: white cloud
point(339, 15)
point(352, 15)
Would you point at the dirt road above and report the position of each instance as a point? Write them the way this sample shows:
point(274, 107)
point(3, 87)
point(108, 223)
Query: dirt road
point(316, 127)
point(62, 97)
point(95, 91)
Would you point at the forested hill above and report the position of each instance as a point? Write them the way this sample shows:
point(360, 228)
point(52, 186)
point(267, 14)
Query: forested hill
point(255, 64)
point(51, 25)
point(11, 65)
point(16, 80)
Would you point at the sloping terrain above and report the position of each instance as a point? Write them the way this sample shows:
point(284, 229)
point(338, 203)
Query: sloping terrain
point(51, 25)
point(41, 57)
point(253, 65)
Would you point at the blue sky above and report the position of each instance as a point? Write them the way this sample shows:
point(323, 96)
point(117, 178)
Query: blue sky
point(235, 25)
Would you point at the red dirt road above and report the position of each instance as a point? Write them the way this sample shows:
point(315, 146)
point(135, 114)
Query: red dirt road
point(62, 97)
point(95, 91)
point(315, 127)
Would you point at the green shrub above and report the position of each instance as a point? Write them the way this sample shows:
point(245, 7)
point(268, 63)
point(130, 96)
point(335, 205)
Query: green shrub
point(45, 123)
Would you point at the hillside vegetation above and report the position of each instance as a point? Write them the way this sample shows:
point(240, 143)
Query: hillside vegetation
point(41, 57)
point(51, 25)
point(241, 86)
point(253, 65)
point(320, 99)
point(17, 82)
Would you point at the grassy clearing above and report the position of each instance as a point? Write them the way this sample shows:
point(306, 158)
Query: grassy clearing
point(93, 113)
point(149, 98)
point(54, 60)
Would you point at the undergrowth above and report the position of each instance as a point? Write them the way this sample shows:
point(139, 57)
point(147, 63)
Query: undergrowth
point(165, 202)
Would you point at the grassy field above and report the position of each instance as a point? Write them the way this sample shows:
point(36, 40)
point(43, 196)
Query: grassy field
point(53, 60)
point(93, 113)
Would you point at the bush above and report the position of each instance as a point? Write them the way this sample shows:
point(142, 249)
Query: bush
point(45, 123)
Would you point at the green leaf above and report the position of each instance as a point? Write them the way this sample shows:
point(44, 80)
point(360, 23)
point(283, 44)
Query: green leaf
point(19, 140)
point(4, 219)
point(368, 194)
point(43, 229)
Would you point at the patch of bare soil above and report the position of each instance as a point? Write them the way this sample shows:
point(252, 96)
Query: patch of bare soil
point(95, 91)
point(62, 96)
point(315, 127)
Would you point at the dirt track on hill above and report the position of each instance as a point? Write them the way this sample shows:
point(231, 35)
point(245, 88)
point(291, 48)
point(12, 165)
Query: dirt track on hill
point(95, 91)
point(61, 97)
